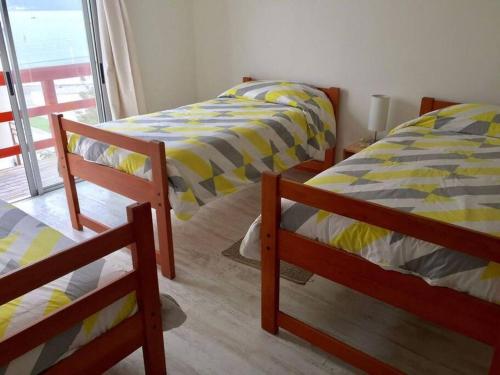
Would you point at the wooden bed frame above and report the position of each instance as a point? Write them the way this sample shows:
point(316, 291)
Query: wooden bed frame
point(144, 328)
point(457, 311)
point(138, 189)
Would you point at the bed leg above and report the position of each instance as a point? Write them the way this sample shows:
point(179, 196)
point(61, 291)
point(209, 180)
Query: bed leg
point(270, 272)
point(72, 199)
point(329, 158)
point(148, 294)
point(166, 246)
point(61, 143)
point(162, 207)
point(495, 363)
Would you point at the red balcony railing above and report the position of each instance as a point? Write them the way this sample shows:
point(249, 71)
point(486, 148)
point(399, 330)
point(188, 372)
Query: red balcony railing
point(46, 76)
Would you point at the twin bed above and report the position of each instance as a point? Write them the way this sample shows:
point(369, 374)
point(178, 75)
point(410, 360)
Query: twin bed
point(413, 220)
point(182, 159)
point(67, 308)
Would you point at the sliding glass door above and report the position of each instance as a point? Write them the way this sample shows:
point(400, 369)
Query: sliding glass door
point(14, 172)
point(51, 50)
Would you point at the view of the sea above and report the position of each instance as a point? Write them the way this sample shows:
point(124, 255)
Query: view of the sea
point(49, 37)
point(44, 38)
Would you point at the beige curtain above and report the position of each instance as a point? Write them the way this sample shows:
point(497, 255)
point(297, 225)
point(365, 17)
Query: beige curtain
point(123, 81)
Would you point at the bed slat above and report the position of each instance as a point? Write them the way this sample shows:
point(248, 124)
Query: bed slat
point(21, 281)
point(106, 350)
point(135, 188)
point(116, 139)
point(478, 244)
point(335, 347)
point(64, 318)
point(92, 224)
point(471, 316)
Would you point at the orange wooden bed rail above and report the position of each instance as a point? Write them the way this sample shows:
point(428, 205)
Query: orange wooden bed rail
point(142, 329)
point(138, 189)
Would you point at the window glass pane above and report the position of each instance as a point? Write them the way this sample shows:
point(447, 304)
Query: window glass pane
point(51, 45)
point(13, 181)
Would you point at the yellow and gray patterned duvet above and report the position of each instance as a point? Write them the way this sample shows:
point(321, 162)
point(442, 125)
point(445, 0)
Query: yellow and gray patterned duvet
point(219, 146)
point(444, 165)
point(24, 240)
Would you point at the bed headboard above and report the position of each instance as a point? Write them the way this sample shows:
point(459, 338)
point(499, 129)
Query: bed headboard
point(333, 94)
point(430, 104)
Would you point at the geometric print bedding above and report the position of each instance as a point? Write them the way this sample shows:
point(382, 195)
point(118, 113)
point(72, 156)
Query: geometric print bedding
point(220, 146)
point(444, 165)
point(24, 240)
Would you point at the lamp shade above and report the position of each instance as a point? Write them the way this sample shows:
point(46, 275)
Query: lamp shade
point(379, 110)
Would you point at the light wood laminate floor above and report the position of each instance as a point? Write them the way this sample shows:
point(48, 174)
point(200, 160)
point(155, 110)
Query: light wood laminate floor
point(222, 334)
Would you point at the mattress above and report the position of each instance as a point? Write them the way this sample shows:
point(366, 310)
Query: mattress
point(220, 146)
point(24, 240)
point(444, 165)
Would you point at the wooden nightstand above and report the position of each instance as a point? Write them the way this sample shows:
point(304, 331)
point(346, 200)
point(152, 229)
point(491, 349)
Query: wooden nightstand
point(354, 149)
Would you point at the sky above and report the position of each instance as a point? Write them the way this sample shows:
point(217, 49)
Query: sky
point(45, 4)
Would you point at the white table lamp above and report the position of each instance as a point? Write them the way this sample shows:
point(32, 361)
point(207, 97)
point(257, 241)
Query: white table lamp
point(379, 111)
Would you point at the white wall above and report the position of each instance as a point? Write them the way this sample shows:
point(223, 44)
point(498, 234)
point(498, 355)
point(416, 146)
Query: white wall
point(163, 34)
point(403, 48)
